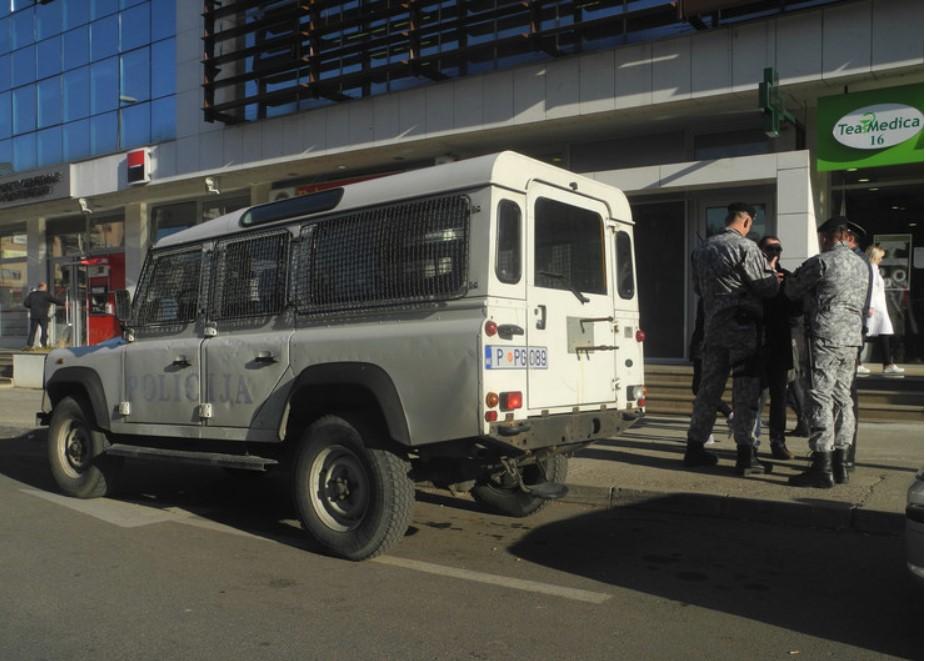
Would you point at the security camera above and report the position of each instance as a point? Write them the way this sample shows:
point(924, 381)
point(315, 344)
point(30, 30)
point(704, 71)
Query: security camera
point(212, 185)
point(85, 207)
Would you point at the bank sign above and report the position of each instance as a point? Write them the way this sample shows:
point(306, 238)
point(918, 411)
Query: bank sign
point(870, 129)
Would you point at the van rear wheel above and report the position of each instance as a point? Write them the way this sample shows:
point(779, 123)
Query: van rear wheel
point(355, 500)
point(75, 452)
point(503, 495)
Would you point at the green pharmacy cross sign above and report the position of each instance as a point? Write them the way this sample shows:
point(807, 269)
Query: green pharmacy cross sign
point(772, 105)
point(870, 129)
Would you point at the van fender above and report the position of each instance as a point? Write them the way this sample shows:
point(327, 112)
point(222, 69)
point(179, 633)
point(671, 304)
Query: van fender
point(80, 380)
point(366, 376)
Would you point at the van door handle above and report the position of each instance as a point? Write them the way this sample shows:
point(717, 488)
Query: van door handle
point(181, 361)
point(265, 357)
point(542, 322)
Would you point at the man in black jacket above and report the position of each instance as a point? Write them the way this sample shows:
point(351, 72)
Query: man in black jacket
point(38, 301)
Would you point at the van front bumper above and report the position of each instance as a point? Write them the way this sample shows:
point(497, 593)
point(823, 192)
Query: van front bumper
point(563, 428)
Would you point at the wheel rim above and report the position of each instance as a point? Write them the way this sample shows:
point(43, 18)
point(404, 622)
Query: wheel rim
point(74, 448)
point(339, 488)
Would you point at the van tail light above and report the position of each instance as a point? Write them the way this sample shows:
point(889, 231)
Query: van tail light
point(492, 400)
point(641, 336)
point(491, 416)
point(491, 328)
point(511, 400)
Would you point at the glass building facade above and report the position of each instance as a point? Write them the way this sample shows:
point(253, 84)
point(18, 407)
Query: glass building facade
point(83, 78)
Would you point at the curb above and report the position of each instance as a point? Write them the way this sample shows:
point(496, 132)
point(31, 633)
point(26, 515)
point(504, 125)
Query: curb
point(809, 515)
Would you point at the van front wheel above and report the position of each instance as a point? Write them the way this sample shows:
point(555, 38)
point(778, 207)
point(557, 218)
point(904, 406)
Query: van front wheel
point(355, 500)
point(503, 495)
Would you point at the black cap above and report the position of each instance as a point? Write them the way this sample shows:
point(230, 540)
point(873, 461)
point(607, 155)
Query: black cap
point(839, 223)
point(741, 207)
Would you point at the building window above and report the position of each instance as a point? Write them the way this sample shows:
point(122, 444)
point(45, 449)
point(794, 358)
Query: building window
point(716, 221)
point(168, 219)
point(13, 284)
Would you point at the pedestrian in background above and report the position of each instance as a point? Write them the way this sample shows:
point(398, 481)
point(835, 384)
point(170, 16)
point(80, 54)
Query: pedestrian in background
point(879, 321)
point(732, 277)
point(38, 303)
point(834, 288)
point(777, 360)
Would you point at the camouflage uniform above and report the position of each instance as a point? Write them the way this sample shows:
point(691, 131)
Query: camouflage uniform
point(834, 285)
point(732, 276)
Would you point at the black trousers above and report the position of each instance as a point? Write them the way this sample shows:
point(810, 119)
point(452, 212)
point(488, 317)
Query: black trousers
point(776, 380)
point(34, 323)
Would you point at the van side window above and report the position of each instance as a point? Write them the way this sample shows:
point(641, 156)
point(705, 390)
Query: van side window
point(568, 248)
point(624, 265)
point(508, 242)
point(169, 289)
point(249, 279)
point(387, 255)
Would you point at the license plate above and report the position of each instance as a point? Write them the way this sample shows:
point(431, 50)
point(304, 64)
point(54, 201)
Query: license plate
point(515, 358)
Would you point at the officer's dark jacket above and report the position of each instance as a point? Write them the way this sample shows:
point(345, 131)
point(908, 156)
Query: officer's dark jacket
point(834, 286)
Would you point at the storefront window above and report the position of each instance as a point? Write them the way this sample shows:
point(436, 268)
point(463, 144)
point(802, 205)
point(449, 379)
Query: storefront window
point(107, 234)
point(13, 284)
point(66, 237)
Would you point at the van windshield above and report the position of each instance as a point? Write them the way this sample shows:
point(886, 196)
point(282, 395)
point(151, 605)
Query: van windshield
point(568, 248)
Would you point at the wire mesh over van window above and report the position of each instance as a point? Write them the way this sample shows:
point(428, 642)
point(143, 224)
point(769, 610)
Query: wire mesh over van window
point(169, 290)
point(508, 242)
point(386, 255)
point(568, 248)
point(249, 279)
point(625, 287)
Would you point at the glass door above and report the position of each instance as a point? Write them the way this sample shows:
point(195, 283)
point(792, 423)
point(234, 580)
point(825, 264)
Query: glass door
point(69, 321)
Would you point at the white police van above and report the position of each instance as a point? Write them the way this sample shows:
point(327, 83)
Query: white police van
point(468, 325)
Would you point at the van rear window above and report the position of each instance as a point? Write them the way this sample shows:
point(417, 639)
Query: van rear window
point(568, 248)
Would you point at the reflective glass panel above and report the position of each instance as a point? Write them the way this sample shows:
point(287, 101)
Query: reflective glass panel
point(6, 115)
point(76, 140)
point(49, 19)
point(48, 58)
point(163, 19)
point(24, 109)
point(135, 27)
point(129, 3)
point(49, 102)
point(163, 68)
point(22, 29)
point(76, 47)
point(103, 7)
point(76, 94)
point(103, 133)
point(5, 44)
point(4, 72)
point(134, 84)
point(24, 152)
point(164, 119)
point(104, 38)
point(135, 126)
point(104, 90)
point(107, 233)
point(49, 146)
point(6, 157)
point(12, 244)
point(23, 63)
point(21, 4)
point(76, 13)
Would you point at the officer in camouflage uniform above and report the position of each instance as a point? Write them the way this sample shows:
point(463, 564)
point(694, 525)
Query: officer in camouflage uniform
point(732, 276)
point(834, 286)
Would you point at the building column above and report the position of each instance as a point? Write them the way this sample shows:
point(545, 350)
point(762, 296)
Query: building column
point(36, 253)
point(137, 240)
point(797, 219)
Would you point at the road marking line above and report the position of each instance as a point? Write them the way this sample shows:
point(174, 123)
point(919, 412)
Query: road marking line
point(494, 579)
point(127, 514)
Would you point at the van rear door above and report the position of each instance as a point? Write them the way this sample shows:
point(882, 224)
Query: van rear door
point(570, 333)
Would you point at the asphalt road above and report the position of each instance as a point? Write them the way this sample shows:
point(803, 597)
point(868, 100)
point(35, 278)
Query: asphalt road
point(195, 563)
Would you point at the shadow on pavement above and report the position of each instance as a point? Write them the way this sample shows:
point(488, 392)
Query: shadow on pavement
point(841, 586)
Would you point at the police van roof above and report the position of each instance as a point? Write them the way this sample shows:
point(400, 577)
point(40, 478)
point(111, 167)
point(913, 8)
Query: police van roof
point(507, 169)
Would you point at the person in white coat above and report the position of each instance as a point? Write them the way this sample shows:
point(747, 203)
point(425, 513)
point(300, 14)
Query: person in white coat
point(879, 321)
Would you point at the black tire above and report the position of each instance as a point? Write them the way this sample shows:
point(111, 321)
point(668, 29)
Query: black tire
point(355, 500)
point(505, 497)
point(75, 452)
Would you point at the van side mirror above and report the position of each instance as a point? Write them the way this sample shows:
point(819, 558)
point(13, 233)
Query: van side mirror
point(123, 305)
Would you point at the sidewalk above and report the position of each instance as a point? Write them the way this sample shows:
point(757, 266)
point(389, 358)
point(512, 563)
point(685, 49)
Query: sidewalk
point(643, 469)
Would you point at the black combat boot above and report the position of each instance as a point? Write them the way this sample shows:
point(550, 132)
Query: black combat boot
point(696, 455)
point(747, 463)
point(819, 475)
point(850, 457)
point(840, 466)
